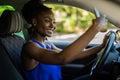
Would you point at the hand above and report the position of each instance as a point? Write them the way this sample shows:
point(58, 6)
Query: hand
point(101, 24)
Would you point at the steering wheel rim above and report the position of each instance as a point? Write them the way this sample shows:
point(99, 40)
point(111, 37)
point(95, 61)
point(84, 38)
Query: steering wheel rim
point(104, 54)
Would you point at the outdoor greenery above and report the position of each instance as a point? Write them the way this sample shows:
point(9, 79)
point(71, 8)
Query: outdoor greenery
point(71, 19)
point(5, 7)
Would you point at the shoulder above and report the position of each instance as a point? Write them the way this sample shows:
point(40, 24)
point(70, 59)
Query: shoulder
point(30, 46)
point(31, 49)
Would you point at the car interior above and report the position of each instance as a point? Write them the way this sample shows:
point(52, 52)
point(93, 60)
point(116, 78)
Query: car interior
point(10, 45)
point(103, 66)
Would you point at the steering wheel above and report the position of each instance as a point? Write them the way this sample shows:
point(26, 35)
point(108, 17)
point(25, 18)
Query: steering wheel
point(100, 62)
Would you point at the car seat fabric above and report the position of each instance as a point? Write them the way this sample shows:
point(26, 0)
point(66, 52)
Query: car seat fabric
point(13, 45)
point(7, 69)
point(11, 22)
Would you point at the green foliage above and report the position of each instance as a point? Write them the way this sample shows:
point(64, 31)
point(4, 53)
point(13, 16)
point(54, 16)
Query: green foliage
point(5, 7)
point(71, 19)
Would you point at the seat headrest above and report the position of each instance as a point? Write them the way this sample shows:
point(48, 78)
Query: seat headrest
point(10, 22)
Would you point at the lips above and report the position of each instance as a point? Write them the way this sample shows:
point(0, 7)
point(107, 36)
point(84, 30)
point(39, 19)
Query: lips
point(49, 31)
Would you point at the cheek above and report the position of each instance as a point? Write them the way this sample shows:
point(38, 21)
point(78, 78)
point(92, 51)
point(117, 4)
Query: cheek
point(47, 24)
point(43, 24)
point(40, 25)
point(42, 28)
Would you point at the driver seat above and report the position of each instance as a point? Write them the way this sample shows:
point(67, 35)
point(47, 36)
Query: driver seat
point(10, 45)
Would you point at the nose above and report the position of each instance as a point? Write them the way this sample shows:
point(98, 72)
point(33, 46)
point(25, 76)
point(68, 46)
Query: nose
point(52, 25)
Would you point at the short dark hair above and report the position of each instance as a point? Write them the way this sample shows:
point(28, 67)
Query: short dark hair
point(32, 9)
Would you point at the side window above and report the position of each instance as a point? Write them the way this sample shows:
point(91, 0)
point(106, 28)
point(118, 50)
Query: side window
point(20, 34)
point(5, 7)
point(71, 22)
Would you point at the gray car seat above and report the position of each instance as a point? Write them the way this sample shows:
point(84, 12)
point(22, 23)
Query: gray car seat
point(10, 45)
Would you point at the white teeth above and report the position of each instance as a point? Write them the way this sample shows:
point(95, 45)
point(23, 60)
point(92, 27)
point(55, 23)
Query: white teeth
point(50, 31)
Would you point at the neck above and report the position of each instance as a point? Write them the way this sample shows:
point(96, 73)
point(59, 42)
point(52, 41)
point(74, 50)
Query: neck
point(38, 36)
point(38, 42)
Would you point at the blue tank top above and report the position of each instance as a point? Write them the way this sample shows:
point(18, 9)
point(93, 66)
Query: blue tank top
point(43, 71)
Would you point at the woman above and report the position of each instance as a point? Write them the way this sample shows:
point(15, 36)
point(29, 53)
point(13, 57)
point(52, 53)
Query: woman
point(41, 60)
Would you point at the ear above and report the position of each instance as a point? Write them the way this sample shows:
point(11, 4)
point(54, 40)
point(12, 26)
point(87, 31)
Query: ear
point(34, 21)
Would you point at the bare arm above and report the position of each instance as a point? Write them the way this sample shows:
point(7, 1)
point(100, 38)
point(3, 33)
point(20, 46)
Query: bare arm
point(68, 54)
point(93, 50)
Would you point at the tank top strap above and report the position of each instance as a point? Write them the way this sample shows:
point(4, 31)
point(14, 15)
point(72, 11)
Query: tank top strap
point(48, 46)
point(40, 44)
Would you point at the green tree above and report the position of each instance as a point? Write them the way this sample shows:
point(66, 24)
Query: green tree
point(71, 19)
point(5, 7)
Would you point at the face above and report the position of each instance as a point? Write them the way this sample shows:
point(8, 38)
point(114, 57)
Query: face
point(45, 23)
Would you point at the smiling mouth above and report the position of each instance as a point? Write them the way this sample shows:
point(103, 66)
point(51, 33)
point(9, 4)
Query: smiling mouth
point(50, 31)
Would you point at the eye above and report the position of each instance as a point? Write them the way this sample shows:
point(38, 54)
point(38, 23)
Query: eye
point(47, 20)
